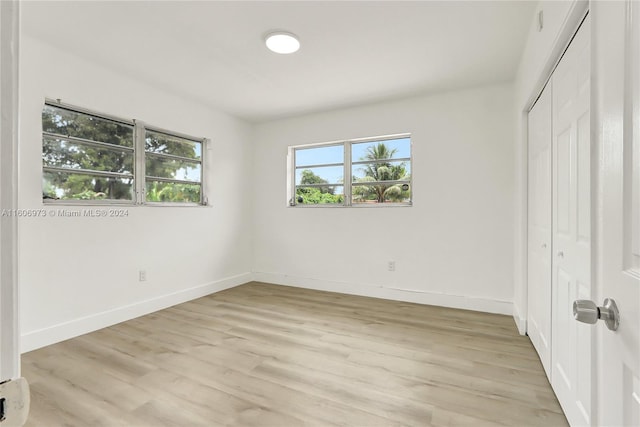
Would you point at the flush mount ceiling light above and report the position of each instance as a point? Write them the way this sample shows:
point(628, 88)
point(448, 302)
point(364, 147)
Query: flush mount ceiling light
point(282, 42)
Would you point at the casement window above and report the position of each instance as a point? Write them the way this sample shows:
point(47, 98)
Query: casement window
point(360, 172)
point(173, 167)
point(89, 157)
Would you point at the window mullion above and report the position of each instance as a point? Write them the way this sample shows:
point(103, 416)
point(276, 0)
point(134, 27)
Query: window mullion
point(347, 173)
point(204, 149)
point(140, 173)
point(294, 194)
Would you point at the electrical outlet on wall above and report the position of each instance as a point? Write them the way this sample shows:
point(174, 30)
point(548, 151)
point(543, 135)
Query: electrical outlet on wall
point(391, 266)
point(142, 275)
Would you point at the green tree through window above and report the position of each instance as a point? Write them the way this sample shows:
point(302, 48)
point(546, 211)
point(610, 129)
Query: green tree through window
point(74, 145)
point(377, 171)
point(380, 169)
point(316, 195)
point(89, 157)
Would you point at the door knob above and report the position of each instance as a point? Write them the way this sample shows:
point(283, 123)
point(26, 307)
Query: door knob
point(587, 311)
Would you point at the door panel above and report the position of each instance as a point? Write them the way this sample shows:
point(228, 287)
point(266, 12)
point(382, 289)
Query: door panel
point(631, 404)
point(617, 85)
point(539, 228)
point(584, 181)
point(564, 294)
point(563, 183)
point(571, 266)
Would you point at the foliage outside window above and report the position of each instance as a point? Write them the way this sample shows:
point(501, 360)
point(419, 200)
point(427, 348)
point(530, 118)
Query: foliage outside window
point(377, 171)
point(95, 158)
point(173, 168)
point(86, 157)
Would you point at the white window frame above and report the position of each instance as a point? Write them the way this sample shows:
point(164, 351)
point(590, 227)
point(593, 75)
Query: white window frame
point(139, 162)
point(347, 167)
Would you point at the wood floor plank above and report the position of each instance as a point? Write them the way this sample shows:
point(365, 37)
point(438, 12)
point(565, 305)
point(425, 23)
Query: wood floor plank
point(267, 355)
point(383, 378)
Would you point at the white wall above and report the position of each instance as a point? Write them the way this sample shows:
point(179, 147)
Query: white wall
point(80, 274)
point(453, 247)
point(541, 53)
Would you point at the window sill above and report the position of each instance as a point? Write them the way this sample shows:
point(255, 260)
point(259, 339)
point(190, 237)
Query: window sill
point(356, 206)
point(114, 203)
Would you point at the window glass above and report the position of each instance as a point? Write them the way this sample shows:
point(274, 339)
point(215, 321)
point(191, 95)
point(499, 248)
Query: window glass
point(75, 186)
point(86, 157)
point(379, 172)
point(157, 191)
point(161, 143)
point(62, 153)
point(173, 168)
point(381, 193)
point(387, 149)
point(91, 157)
point(317, 171)
point(329, 195)
point(331, 154)
point(320, 175)
point(65, 122)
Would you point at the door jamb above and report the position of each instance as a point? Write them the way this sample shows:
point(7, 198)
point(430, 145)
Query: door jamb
point(576, 15)
point(9, 102)
point(578, 11)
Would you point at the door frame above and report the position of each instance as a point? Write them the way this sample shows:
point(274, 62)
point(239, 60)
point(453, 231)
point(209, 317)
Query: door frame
point(574, 17)
point(9, 102)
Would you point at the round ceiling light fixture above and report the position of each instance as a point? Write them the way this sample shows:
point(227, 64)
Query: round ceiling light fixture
point(282, 42)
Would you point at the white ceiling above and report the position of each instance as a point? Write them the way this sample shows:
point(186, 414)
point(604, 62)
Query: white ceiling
point(352, 52)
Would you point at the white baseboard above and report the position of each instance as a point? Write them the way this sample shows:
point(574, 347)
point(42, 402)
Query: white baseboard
point(73, 328)
point(521, 322)
point(408, 295)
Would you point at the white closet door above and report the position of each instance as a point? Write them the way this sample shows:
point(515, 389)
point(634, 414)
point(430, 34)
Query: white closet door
point(571, 341)
point(539, 217)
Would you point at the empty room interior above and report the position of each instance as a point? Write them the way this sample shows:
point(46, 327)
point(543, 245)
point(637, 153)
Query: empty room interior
point(284, 213)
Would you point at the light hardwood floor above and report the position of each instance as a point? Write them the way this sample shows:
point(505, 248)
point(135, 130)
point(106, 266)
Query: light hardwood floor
point(273, 355)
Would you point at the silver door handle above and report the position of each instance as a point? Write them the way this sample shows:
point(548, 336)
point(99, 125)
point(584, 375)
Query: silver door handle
point(587, 311)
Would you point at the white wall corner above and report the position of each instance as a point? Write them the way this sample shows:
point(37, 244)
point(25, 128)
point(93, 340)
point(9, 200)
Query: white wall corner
point(50, 335)
point(407, 295)
point(521, 322)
